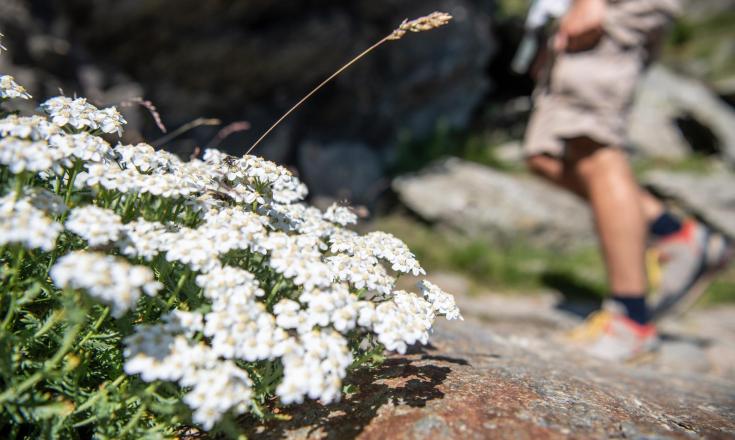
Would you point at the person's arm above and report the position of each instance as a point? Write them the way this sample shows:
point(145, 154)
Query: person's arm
point(581, 27)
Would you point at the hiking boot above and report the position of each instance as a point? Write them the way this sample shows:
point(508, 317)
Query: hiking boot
point(689, 259)
point(613, 336)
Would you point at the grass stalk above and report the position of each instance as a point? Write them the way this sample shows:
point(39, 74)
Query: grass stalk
point(420, 24)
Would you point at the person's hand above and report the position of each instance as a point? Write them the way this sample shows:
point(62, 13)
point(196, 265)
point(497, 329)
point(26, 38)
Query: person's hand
point(581, 27)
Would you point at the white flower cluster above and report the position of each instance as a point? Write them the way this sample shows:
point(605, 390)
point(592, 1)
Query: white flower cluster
point(284, 284)
point(441, 301)
point(142, 239)
point(36, 128)
point(298, 258)
point(10, 89)
point(158, 352)
point(404, 321)
point(111, 280)
point(21, 155)
point(340, 215)
point(98, 226)
point(22, 222)
point(314, 366)
point(80, 114)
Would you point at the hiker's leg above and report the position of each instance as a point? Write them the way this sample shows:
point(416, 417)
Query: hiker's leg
point(554, 170)
point(615, 198)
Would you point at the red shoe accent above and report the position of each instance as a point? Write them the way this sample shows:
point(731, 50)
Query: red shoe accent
point(642, 330)
point(687, 234)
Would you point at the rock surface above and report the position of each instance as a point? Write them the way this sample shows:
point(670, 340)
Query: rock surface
point(503, 375)
point(710, 196)
point(484, 202)
point(663, 97)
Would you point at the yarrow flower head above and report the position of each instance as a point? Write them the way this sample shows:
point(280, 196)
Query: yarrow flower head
point(111, 280)
point(23, 223)
point(21, 155)
point(35, 128)
point(10, 89)
point(442, 302)
point(98, 226)
point(80, 115)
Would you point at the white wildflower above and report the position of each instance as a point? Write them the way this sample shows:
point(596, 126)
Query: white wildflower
point(340, 215)
point(224, 283)
point(22, 155)
point(79, 114)
point(98, 226)
point(21, 222)
point(111, 280)
point(402, 321)
point(442, 302)
point(35, 128)
point(10, 89)
point(142, 239)
point(191, 247)
point(82, 146)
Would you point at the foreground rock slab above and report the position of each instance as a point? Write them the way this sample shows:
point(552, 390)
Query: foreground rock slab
point(499, 375)
point(485, 202)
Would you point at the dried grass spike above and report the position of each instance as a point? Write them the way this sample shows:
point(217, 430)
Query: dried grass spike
point(425, 23)
point(148, 105)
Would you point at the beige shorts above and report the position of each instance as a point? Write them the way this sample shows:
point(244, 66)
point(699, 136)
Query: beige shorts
point(589, 93)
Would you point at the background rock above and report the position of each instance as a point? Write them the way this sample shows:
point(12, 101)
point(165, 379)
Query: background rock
point(665, 98)
point(710, 196)
point(484, 202)
point(253, 60)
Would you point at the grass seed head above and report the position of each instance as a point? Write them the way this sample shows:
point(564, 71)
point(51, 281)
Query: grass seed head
point(425, 23)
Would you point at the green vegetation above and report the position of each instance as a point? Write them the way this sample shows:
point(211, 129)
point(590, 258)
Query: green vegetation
point(508, 267)
point(708, 42)
point(516, 267)
point(693, 163)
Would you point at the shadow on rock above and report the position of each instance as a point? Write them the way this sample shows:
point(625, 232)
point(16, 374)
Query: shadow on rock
point(579, 297)
point(406, 381)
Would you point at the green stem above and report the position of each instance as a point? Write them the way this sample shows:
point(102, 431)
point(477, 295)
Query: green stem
point(128, 206)
point(57, 185)
point(179, 286)
point(96, 326)
point(11, 284)
point(102, 392)
point(132, 422)
point(19, 185)
point(57, 316)
point(72, 178)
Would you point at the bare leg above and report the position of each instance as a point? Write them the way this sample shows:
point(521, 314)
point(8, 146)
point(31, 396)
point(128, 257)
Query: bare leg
point(557, 172)
point(615, 198)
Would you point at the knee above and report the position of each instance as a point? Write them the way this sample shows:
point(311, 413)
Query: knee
point(601, 163)
point(542, 165)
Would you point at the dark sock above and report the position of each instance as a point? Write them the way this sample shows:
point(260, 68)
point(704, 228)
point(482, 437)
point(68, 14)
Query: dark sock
point(666, 224)
point(635, 307)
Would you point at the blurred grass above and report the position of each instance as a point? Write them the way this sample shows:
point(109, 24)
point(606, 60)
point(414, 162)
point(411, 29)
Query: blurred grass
point(705, 45)
point(517, 267)
point(509, 267)
point(693, 163)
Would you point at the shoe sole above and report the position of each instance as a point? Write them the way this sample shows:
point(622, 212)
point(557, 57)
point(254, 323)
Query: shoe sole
point(685, 301)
